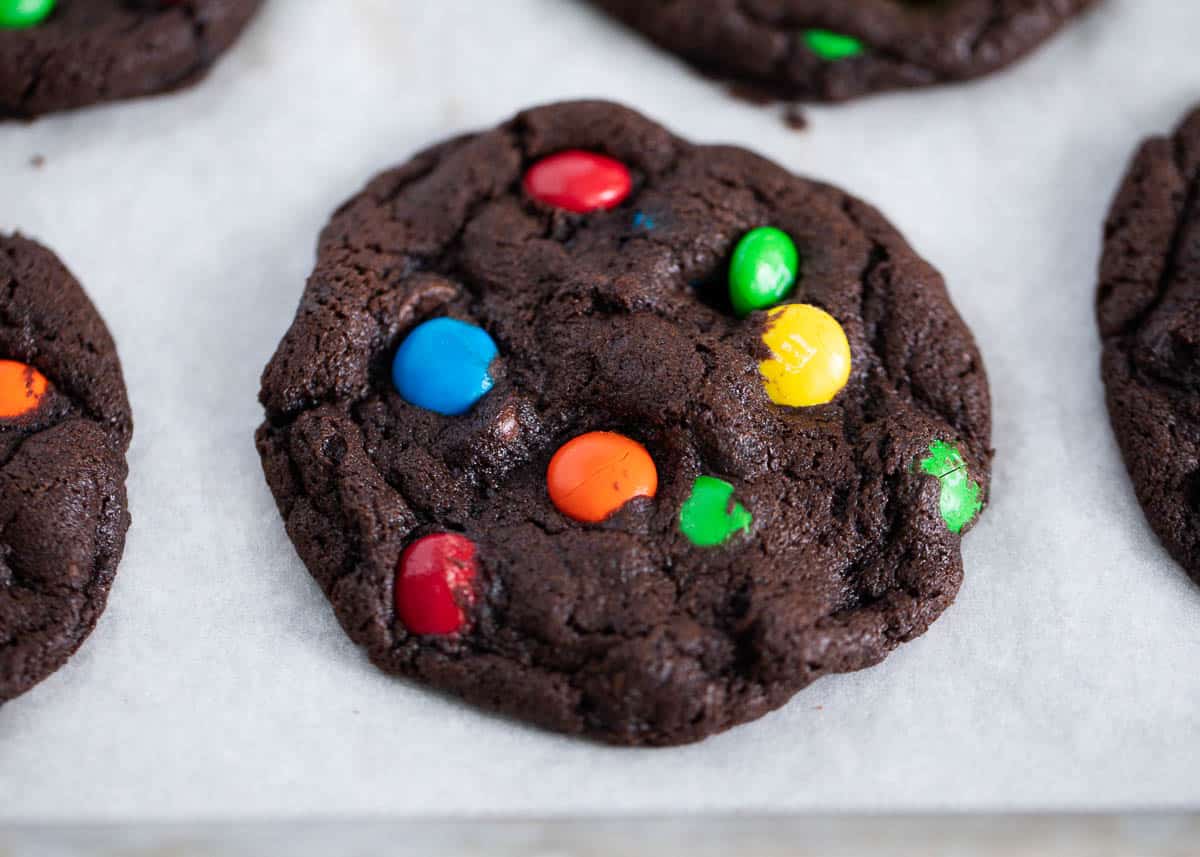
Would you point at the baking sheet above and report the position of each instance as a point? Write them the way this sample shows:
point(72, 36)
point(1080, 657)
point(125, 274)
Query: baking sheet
point(218, 684)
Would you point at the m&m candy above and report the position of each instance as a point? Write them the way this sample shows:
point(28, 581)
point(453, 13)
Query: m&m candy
point(810, 362)
point(833, 46)
point(763, 271)
point(579, 181)
point(593, 476)
point(444, 366)
point(21, 389)
point(710, 516)
point(435, 582)
point(18, 14)
point(961, 498)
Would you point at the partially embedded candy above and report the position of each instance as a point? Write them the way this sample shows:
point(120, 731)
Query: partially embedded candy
point(591, 477)
point(579, 181)
point(710, 516)
point(21, 389)
point(444, 366)
point(435, 582)
point(763, 271)
point(961, 499)
point(19, 14)
point(833, 46)
point(810, 362)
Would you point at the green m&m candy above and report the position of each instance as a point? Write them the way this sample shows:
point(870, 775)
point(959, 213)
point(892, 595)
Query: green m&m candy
point(833, 46)
point(711, 517)
point(18, 14)
point(763, 271)
point(961, 498)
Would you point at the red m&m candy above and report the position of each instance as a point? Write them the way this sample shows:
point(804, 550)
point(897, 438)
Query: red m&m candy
point(579, 181)
point(435, 583)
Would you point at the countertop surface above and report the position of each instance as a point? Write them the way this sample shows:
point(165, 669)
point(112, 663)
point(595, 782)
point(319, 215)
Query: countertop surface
point(762, 836)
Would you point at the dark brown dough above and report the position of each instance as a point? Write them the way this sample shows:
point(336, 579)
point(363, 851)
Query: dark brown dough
point(63, 514)
point(620, 321)
point(1149, 309)
point(908, 42)
point(89, 51)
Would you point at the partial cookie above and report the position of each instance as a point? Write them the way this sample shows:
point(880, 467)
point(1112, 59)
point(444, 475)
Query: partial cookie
point(621, 435)
point(1149, 310)
point(64, 429)
point(832, 51)
point(62, 54)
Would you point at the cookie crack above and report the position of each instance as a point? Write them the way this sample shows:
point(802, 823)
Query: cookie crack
point(1189, 211)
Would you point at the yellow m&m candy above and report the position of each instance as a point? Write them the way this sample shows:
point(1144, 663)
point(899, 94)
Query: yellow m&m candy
point(810, 362)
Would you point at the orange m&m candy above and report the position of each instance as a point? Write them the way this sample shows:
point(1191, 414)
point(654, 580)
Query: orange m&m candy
point(594, 475)
point(21, 389)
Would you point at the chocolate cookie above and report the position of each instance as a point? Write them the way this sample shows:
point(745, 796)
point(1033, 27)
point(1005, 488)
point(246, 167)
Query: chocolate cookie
point(62, 54)
point(1149, 310)
point(64, 429)
point(832, 51)
point(621, 435)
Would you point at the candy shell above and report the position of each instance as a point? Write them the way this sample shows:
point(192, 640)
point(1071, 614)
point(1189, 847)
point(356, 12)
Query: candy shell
point(21, 389)
point(20, 14)
point(810, 361)
point(833, 46)
point(444, 366)
point(593, 476)
point(710, 516)
point(434, 582)
point(763, 271)
point(579, 181)
point(961, 498)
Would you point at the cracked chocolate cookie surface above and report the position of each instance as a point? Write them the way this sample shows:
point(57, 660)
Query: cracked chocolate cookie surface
point(1149, 311)
point(831, 51)
point(91, 51)
point(64, 428)
point(630, 538)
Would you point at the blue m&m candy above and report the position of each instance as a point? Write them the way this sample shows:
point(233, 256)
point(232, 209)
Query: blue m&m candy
point(443, 366)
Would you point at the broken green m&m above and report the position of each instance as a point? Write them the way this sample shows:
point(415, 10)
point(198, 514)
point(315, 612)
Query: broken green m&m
point(763, 271)
point(962, 498)
point(833, 46)
point(710, 516)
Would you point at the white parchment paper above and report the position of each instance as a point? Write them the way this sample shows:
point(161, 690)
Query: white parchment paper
point(218, 684)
